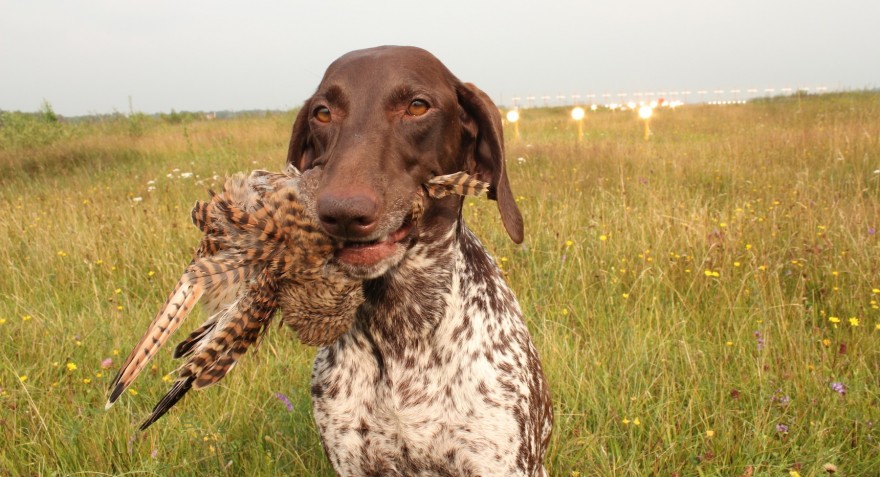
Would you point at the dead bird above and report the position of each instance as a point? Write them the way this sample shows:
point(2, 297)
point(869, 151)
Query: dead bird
point(260, 251)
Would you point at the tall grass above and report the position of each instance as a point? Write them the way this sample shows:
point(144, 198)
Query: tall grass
point(698, 300)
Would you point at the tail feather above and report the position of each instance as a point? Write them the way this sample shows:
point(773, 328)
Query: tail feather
point(186, 347)
point(170, 316)
point(173, 395)
point(256, 326)
point(460, 183)
point(243, 327)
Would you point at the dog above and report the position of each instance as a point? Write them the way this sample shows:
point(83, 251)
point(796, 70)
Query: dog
point(438, 375)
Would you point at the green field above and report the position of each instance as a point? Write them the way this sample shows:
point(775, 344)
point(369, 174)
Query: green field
point(704, 303)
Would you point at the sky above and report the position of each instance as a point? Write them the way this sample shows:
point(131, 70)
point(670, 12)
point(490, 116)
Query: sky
point(101, 56)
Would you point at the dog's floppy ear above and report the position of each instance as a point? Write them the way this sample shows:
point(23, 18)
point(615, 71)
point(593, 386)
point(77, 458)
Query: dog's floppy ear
point(483, 123)
point(301, 150)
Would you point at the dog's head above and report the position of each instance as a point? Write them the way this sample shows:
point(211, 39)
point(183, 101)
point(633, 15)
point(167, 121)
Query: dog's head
point(382, 122)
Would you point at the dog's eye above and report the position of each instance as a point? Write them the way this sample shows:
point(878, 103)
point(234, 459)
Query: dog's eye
point(417, 107)
point(322, 114)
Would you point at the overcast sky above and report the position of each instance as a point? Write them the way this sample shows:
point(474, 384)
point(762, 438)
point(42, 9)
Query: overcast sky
point(91, 56)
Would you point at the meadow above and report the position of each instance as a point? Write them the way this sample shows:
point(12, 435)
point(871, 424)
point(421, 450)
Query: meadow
point(705, 303)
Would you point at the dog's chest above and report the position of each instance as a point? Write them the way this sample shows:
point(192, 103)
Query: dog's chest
point(433, 383)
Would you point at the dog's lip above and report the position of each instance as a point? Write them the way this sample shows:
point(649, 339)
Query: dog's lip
point(368, 253)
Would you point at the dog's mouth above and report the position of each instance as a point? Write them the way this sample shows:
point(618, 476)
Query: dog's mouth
point(372, 252)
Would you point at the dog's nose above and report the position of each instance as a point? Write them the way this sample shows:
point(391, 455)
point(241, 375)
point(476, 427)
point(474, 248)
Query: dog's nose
point(351, 215)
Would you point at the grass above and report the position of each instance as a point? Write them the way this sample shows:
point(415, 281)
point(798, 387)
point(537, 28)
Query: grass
point(694, 298)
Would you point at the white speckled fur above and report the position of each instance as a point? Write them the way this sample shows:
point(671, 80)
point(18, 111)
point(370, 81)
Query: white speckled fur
point(447, 404)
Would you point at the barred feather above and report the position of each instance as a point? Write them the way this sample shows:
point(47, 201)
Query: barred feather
point(169, 318)
point(460, 183)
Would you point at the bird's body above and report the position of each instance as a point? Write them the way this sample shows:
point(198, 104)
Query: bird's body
point(260, 252)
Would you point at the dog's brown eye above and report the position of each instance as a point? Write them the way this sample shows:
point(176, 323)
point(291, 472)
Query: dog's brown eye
point(322, 114)
point(417, 108)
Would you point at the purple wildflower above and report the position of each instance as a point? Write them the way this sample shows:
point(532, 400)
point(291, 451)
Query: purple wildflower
point(838, 387)
point(759, 340)
point(281, 397)
point(781, 399)
point(107, 363)
point(781, 428)
point(154, 453)
point(871, 230)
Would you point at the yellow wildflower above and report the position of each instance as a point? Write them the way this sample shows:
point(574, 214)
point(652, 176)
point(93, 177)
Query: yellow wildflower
point(834, 319)
point(625, 421)
point(710, 433)
point(569, 243)
point(23, 378)
point(26, 318)
point(853, 321)
point(71, 367)
point(2, 321)
point(133, 392)
point(86, 380)
point(603, 237)
point(637, 422)
point(151, 273)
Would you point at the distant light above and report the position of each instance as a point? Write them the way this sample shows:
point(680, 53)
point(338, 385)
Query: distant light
point(594, 107)
point(513, 116)
point(577, 113)
point(645, 112)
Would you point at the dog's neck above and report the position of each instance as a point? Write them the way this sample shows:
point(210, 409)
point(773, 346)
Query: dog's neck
point(403, 307)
